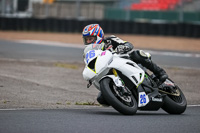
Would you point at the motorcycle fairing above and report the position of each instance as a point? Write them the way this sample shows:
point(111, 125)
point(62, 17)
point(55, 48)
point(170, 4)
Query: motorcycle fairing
point(133, 71)
point(149, 101)
point(95, 57)
point(127, 67)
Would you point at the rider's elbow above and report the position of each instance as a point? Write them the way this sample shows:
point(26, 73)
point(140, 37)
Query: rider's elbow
point(129, 45)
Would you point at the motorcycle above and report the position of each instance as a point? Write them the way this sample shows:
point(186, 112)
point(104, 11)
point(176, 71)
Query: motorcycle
point(128, 87)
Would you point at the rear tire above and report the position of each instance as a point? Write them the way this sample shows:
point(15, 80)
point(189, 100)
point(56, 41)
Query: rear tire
point(111, 97)
point(175, 104)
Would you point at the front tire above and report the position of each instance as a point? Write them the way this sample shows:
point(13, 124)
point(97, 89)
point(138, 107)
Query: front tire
point(108, 92)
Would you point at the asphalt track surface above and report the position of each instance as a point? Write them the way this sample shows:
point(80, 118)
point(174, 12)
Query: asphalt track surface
point(93, 119)
point(16, 50)
point(97, 120)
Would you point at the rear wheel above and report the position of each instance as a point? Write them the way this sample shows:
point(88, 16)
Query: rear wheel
point(175, 104)
point(125, 104)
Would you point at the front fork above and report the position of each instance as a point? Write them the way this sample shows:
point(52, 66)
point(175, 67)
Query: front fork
point(118, 82)
point(121, 87)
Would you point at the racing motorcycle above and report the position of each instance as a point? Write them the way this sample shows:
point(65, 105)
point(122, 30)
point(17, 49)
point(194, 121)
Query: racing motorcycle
point(128, 87)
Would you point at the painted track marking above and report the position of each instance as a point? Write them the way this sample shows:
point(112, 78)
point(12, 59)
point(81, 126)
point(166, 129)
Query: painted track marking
point(51, 43)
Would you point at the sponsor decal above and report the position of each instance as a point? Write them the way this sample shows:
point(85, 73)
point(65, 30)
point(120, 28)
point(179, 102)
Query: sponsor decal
point(156, 99)
point(103, 53)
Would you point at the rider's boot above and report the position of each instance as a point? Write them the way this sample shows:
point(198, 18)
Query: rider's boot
point(101, 100)
point(159, 72)
point(143, 58)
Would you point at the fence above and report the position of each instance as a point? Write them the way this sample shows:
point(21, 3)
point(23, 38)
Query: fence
point(68, 11)
point(109, 26)
point(167, 16)
point(72, 17)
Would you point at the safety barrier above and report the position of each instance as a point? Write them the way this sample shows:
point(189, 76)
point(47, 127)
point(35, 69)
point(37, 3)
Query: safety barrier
point(109, 26)
point(169, 16)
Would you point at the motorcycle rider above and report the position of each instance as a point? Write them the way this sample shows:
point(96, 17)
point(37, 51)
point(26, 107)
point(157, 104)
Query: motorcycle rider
point(93, 34)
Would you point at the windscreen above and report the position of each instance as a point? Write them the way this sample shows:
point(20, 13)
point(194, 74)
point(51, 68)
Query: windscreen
point(92, 47)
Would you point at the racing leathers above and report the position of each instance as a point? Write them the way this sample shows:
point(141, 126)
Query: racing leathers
point(138, 56)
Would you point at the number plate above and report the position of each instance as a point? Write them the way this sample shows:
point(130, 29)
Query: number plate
point(90, 55)
point(143, 99)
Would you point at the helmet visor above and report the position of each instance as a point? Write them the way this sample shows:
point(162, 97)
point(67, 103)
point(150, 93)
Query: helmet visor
point(89, 39)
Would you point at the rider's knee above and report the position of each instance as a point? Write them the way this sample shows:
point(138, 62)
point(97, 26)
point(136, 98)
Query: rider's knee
point(140, 55)
point(144, 55)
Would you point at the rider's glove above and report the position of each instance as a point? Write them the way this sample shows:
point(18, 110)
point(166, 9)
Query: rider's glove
point(122, 49)
point(113, 40)
point(118, 44)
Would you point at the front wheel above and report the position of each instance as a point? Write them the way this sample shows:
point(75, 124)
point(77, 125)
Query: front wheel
point(125, 104)
point(175, 104)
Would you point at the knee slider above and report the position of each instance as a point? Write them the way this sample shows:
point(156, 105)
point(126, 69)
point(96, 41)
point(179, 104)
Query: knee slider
point(143, 54)
point(140, 57)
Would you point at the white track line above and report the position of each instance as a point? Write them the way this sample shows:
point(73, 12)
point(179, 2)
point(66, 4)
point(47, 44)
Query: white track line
point(51, 43)
point(193, 105)
point(13, 109)
point(175, 54)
